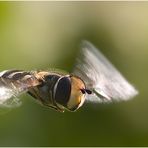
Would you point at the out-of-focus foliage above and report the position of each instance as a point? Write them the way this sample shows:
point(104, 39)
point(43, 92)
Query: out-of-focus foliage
point(43, 35)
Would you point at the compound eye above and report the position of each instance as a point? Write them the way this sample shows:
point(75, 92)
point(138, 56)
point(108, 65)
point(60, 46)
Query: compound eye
point(63, 91)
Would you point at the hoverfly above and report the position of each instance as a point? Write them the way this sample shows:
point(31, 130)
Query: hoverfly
point(93, 78)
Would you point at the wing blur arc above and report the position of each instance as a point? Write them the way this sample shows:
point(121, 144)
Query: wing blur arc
point(14, 83)
point(101, 76)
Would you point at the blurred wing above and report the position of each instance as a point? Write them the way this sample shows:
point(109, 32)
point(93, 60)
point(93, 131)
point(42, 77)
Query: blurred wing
point(13, 83)
point(101, 76)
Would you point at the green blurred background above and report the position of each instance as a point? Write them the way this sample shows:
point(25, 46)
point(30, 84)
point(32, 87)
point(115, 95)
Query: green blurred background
point(43, 35)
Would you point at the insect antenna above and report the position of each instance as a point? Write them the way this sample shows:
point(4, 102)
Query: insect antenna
point(86, 91)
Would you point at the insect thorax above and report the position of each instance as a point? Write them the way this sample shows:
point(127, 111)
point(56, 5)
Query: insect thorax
point(44, 92)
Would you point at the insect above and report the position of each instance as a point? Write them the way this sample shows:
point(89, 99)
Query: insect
point(93, 79)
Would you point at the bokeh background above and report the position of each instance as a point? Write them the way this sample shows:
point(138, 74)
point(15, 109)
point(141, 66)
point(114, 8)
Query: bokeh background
point(43, 35)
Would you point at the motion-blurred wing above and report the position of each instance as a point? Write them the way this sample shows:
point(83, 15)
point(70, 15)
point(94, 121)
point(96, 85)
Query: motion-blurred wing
point(101, 76)
point(12, 84)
